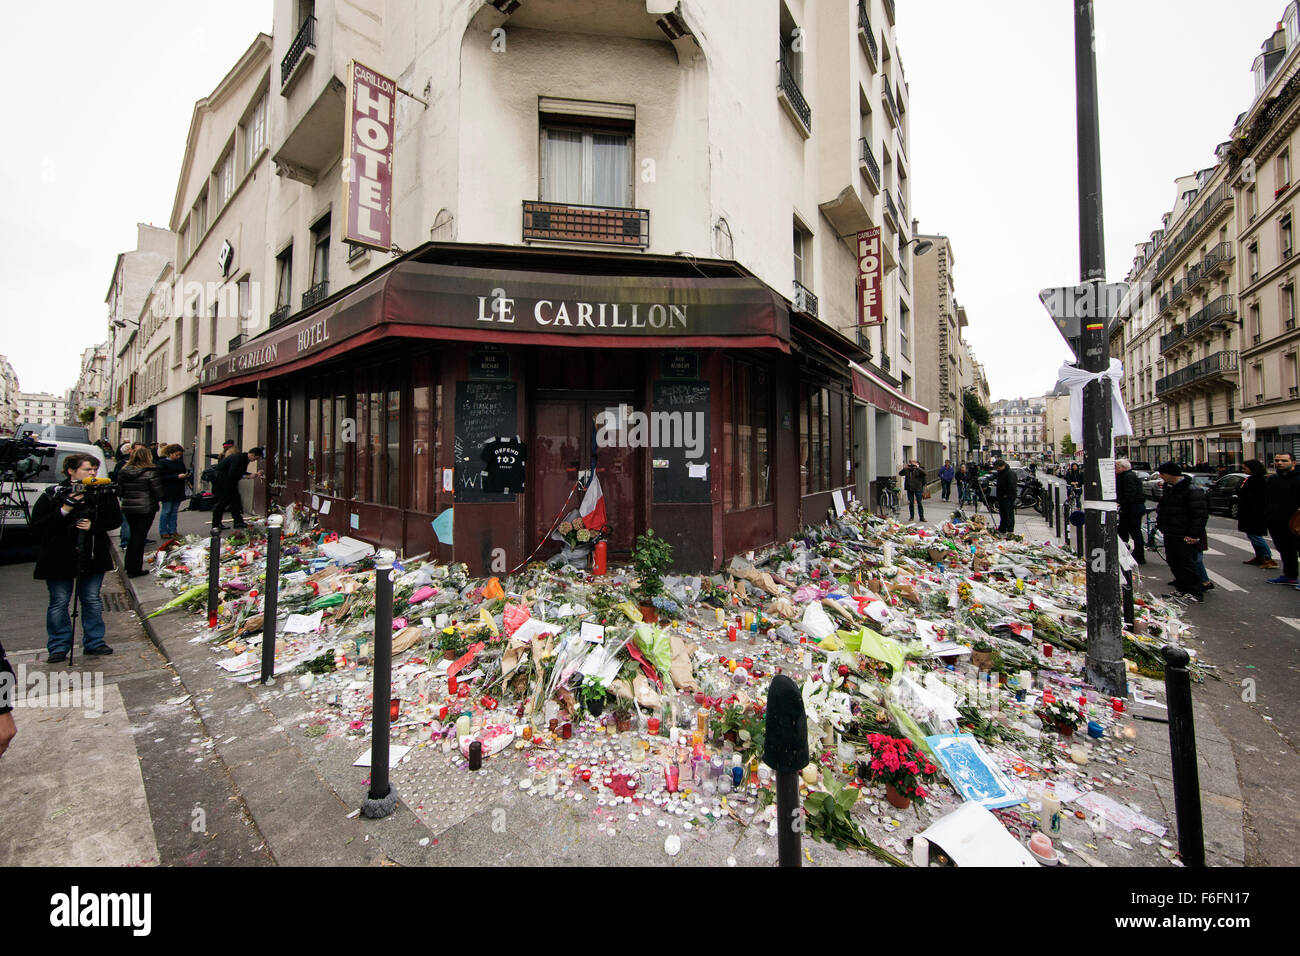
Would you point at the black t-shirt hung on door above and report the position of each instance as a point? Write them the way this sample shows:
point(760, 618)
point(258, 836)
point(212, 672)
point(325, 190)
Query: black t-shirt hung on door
point(504, 461)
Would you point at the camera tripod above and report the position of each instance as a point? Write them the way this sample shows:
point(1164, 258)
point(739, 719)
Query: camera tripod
point(13, 496)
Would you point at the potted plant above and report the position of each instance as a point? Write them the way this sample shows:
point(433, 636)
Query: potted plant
point(651, 559)
point(623, 715)
point(981, 655)
point(592, 693)
point(1064, 713)
point(900, 766)
point(452, 643)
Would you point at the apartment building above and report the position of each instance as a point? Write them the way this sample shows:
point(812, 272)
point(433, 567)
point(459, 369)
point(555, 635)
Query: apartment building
point(942, 354)
point(9, 393)
point(580, 222)
point(91, 391)
point(44, 408)
point(1136, 341)
point(1260, 175)
point(1019, 427)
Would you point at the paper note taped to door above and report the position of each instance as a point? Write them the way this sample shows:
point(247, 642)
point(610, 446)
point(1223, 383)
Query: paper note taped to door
point(697, 471)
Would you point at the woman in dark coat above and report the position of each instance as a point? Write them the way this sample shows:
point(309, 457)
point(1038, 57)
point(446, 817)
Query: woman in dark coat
point(60, 563)
point(140, 489)
point(1251, 508)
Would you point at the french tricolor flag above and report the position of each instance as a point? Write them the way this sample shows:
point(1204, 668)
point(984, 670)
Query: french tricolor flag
point(592, 510)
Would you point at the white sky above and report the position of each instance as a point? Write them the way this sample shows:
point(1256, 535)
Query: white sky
point(108, 90)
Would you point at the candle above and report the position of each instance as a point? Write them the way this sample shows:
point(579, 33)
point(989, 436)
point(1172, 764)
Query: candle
point(702, 721)
point(462, 725)
point(672, 776)
point(566, 730)
point(652, 726)
point(1047, 650)
point(731, 632)
point(717, 611)
point(475, 755)
point(1117, 704)
point(1079, 754)
point(1049, 820)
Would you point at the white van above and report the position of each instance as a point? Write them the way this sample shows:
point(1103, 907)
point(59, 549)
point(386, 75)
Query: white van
point(16, 504)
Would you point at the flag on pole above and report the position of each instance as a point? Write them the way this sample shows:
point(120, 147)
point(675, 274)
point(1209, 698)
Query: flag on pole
point(592, 510)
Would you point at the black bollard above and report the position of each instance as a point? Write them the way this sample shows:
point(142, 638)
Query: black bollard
point(383, 798)
point(271, 595)
point(1056, 507)
point(785, 750)
point(1182, 755)
point(214, 575)
point(1128, 598)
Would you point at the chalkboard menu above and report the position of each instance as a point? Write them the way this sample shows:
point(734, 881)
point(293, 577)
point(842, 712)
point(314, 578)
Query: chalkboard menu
point(680, 460)
point(484, 411)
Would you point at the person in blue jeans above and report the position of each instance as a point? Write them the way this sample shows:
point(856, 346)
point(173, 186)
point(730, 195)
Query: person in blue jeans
point(74, 553)
point(171, 469)
point(914, 484)
point(946, 475)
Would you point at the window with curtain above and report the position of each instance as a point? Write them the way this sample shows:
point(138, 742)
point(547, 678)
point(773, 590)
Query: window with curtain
point(587, 166)
point(375, 438)
point(393, 414)
point(746, 441)
point(422, 426)
point(339, 462)
point(313, 441)
point(361, 484)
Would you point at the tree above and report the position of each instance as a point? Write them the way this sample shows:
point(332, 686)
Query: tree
point(1068, 447)
point(87, 415)
point(974, 417)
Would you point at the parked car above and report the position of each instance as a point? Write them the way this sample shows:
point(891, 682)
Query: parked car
point(54, 433)
point(1154, 486)
point(13, 517)
point(1222, 494)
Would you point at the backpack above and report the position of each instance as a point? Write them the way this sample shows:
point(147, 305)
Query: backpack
point(209, 474)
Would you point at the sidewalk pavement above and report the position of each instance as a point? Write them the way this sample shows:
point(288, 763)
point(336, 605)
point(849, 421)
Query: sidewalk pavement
point(303, 793)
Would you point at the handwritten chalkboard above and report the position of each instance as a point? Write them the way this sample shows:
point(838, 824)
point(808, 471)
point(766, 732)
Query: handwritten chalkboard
point(484, 410)
point(680, 460)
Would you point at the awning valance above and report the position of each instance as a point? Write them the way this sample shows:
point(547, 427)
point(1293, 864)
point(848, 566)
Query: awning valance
point(872, 390)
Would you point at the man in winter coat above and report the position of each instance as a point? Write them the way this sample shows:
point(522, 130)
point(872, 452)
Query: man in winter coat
point(946, 475)
point(74, 552)
point(225, 490)
point(172, 471)
point(1252, 509)
point(140, 489)
point(1281, 502)
point(1132, 506)
point(914, 485)
point(1181, 517)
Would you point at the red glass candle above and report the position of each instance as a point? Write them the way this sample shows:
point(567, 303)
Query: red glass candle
point(394, 708)
point(1047, 650)
point(566, 731)
point(672, 775)
point(652, 726)
point(1117, 704)
point(451, 684)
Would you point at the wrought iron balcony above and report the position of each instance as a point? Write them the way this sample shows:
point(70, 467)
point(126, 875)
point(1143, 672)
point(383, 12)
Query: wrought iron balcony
point(1212, 366)
point(1224, 307)
point(317, 293)
point(1195, 276)
point(1215, 203)
point(902, 209)
point(887, 97)
point(1177, 292)
point(867, 35)
point(794, 96)
point(1170, 339)
point(280, 315)
point(1164, 302)
point(570, 222)
point(306, 38)
point(867, 161)
point(805, 302)
point(890, 209)
point(889, 10)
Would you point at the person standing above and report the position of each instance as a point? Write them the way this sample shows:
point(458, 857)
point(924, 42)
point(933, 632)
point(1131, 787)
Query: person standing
point(1132, 506)
point(1005, 492)
point(1281, 502)
point(232, 469)
point(141, 490)
point(1252, 508)
point(914, 485)
point(171, 469)
point(1181, 516)
point(8, 695)
point(59, 561)
point(946, 475)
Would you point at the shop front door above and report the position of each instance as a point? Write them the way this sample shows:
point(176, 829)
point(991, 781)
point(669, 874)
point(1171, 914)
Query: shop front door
point(564, 450)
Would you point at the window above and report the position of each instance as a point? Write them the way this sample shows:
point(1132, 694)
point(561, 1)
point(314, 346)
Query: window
point(746, 434)
point(1253, 314)
point(426, 421)
point(1291, 26)
point(320, 259)
point(253, 132)
point(792, 41)
point(213, 319)
point(814, 439)
point(1284, 228)
point(1252, 203)
point(1288, 306)
point(1289, 375)
point(284, 278)
point(1283, 170)
point(178, 340)
point(199, 218)
point(904, 330)
point(1252, 252)
point(225, 178)
point(586, 163)
point(802, 256)
point(246, 321)
point(187, 245)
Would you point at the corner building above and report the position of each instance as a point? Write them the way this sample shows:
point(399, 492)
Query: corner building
point(625, 206)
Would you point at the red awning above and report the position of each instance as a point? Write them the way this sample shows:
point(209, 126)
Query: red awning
point(875, 392)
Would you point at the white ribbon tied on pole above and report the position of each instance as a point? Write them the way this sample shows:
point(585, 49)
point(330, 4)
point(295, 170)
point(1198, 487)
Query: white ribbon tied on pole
point(1076, 378)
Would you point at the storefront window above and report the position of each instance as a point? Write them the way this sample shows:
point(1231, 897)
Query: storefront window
point(424, 446)
point(313, 440)
point(728, 436)
point(846, 436)
point(824, 433)
point(361, 484)
point(746, 397)
point(394, 455)
point(340, 450)
point(374, 446)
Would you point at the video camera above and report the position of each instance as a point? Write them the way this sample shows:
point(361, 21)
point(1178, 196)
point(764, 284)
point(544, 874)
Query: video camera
point(84, 497)
point(20, 458)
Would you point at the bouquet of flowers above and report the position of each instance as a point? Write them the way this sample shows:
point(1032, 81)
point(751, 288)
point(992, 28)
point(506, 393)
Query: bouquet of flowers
point(1063, 712)
point(896, 761)
point(577, 534)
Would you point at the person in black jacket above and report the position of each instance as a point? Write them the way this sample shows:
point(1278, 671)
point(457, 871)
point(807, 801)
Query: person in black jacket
point(914, 485)
point(141, 490)
point(1006, 494)
point(8, 691)
point(1181, 516)
point(74, 552)
point(1132, 506)
point(172, 471)
point(225, 490)
point(1252, 507)
point(1281, 501)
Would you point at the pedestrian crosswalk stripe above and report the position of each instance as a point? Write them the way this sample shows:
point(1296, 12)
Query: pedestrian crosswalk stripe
point(1224, 583)
point(1293, 621)
point(1232, 541)
point(1211, 551)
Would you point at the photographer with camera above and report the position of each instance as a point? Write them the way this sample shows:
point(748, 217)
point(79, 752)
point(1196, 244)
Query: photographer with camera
point(141, 488)
point(72, 521)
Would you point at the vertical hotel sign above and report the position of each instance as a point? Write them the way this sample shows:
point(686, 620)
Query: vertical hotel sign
point(870, 277)
point(368, 159)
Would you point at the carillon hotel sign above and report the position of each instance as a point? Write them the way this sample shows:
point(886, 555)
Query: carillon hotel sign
point(368, 159)
point(870, 277)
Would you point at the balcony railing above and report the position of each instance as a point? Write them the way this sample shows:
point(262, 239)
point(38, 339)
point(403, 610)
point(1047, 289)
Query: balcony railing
point(569, 222)
point(1208, 367)
point(317, 293)
point(866, 34)
point(890, 209)
point(891, 109)
point(904, 277)
point(1170, 339)
point(306, 38)
point(234, 343)
point(1164, 302)
point(280, 315)
point(1223, 307)
point(1207, 211)
point(867, 161)
point(902, 209)
point(1177, 291)
point(794, 96)
point(1195, 273)
point(805, 302)
point(889, 10)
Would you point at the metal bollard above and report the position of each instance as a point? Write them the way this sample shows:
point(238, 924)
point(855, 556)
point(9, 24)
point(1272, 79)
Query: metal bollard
point(785, 750)
point(1182, 755)
point(214, 575)
point(1128, 598)
point(1056, 498)
point(271, 595)
point(383, 798)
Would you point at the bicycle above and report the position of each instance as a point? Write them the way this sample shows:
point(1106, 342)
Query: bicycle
point(969, 497)
point(887, 500)
point(1151, 536)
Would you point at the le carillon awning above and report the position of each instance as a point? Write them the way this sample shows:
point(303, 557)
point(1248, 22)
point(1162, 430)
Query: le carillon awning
point(422, 300)
point(872, 390)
